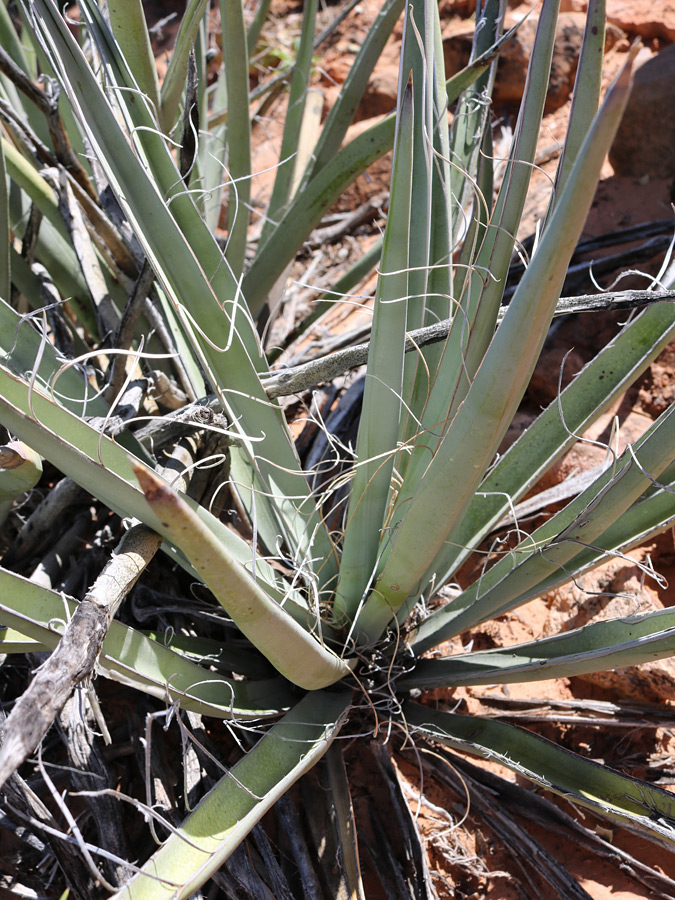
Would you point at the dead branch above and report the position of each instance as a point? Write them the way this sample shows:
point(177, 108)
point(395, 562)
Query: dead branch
point(48, 106)
point(300, 378)
point(74, 658)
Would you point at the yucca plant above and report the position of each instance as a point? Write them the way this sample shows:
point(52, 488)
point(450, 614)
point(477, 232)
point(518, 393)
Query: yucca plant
point(115, 276)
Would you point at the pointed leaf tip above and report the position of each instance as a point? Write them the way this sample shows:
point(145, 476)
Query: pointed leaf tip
point(624, 78)
point(153, 487)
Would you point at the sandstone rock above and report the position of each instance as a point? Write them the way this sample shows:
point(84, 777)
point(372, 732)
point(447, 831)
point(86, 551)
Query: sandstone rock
point(380, 95)
point(647, 18)
point(555, 365)
point(462, 8)
point(573, 6)
point(515, 56)
point(513, 67)
point(645, 143)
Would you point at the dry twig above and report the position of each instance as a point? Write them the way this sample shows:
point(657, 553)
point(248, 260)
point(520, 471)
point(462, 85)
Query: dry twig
point(74, 658)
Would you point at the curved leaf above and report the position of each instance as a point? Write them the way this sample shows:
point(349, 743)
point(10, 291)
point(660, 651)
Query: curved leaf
point(283, 641)
point(610, 644)
point(312, 201)
point(643, 808)
point(381, 411)
point(549, 550)
point(590, 394)
point(101, 466)
point(133, 659)
point(239, 800)
point(455, 472)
